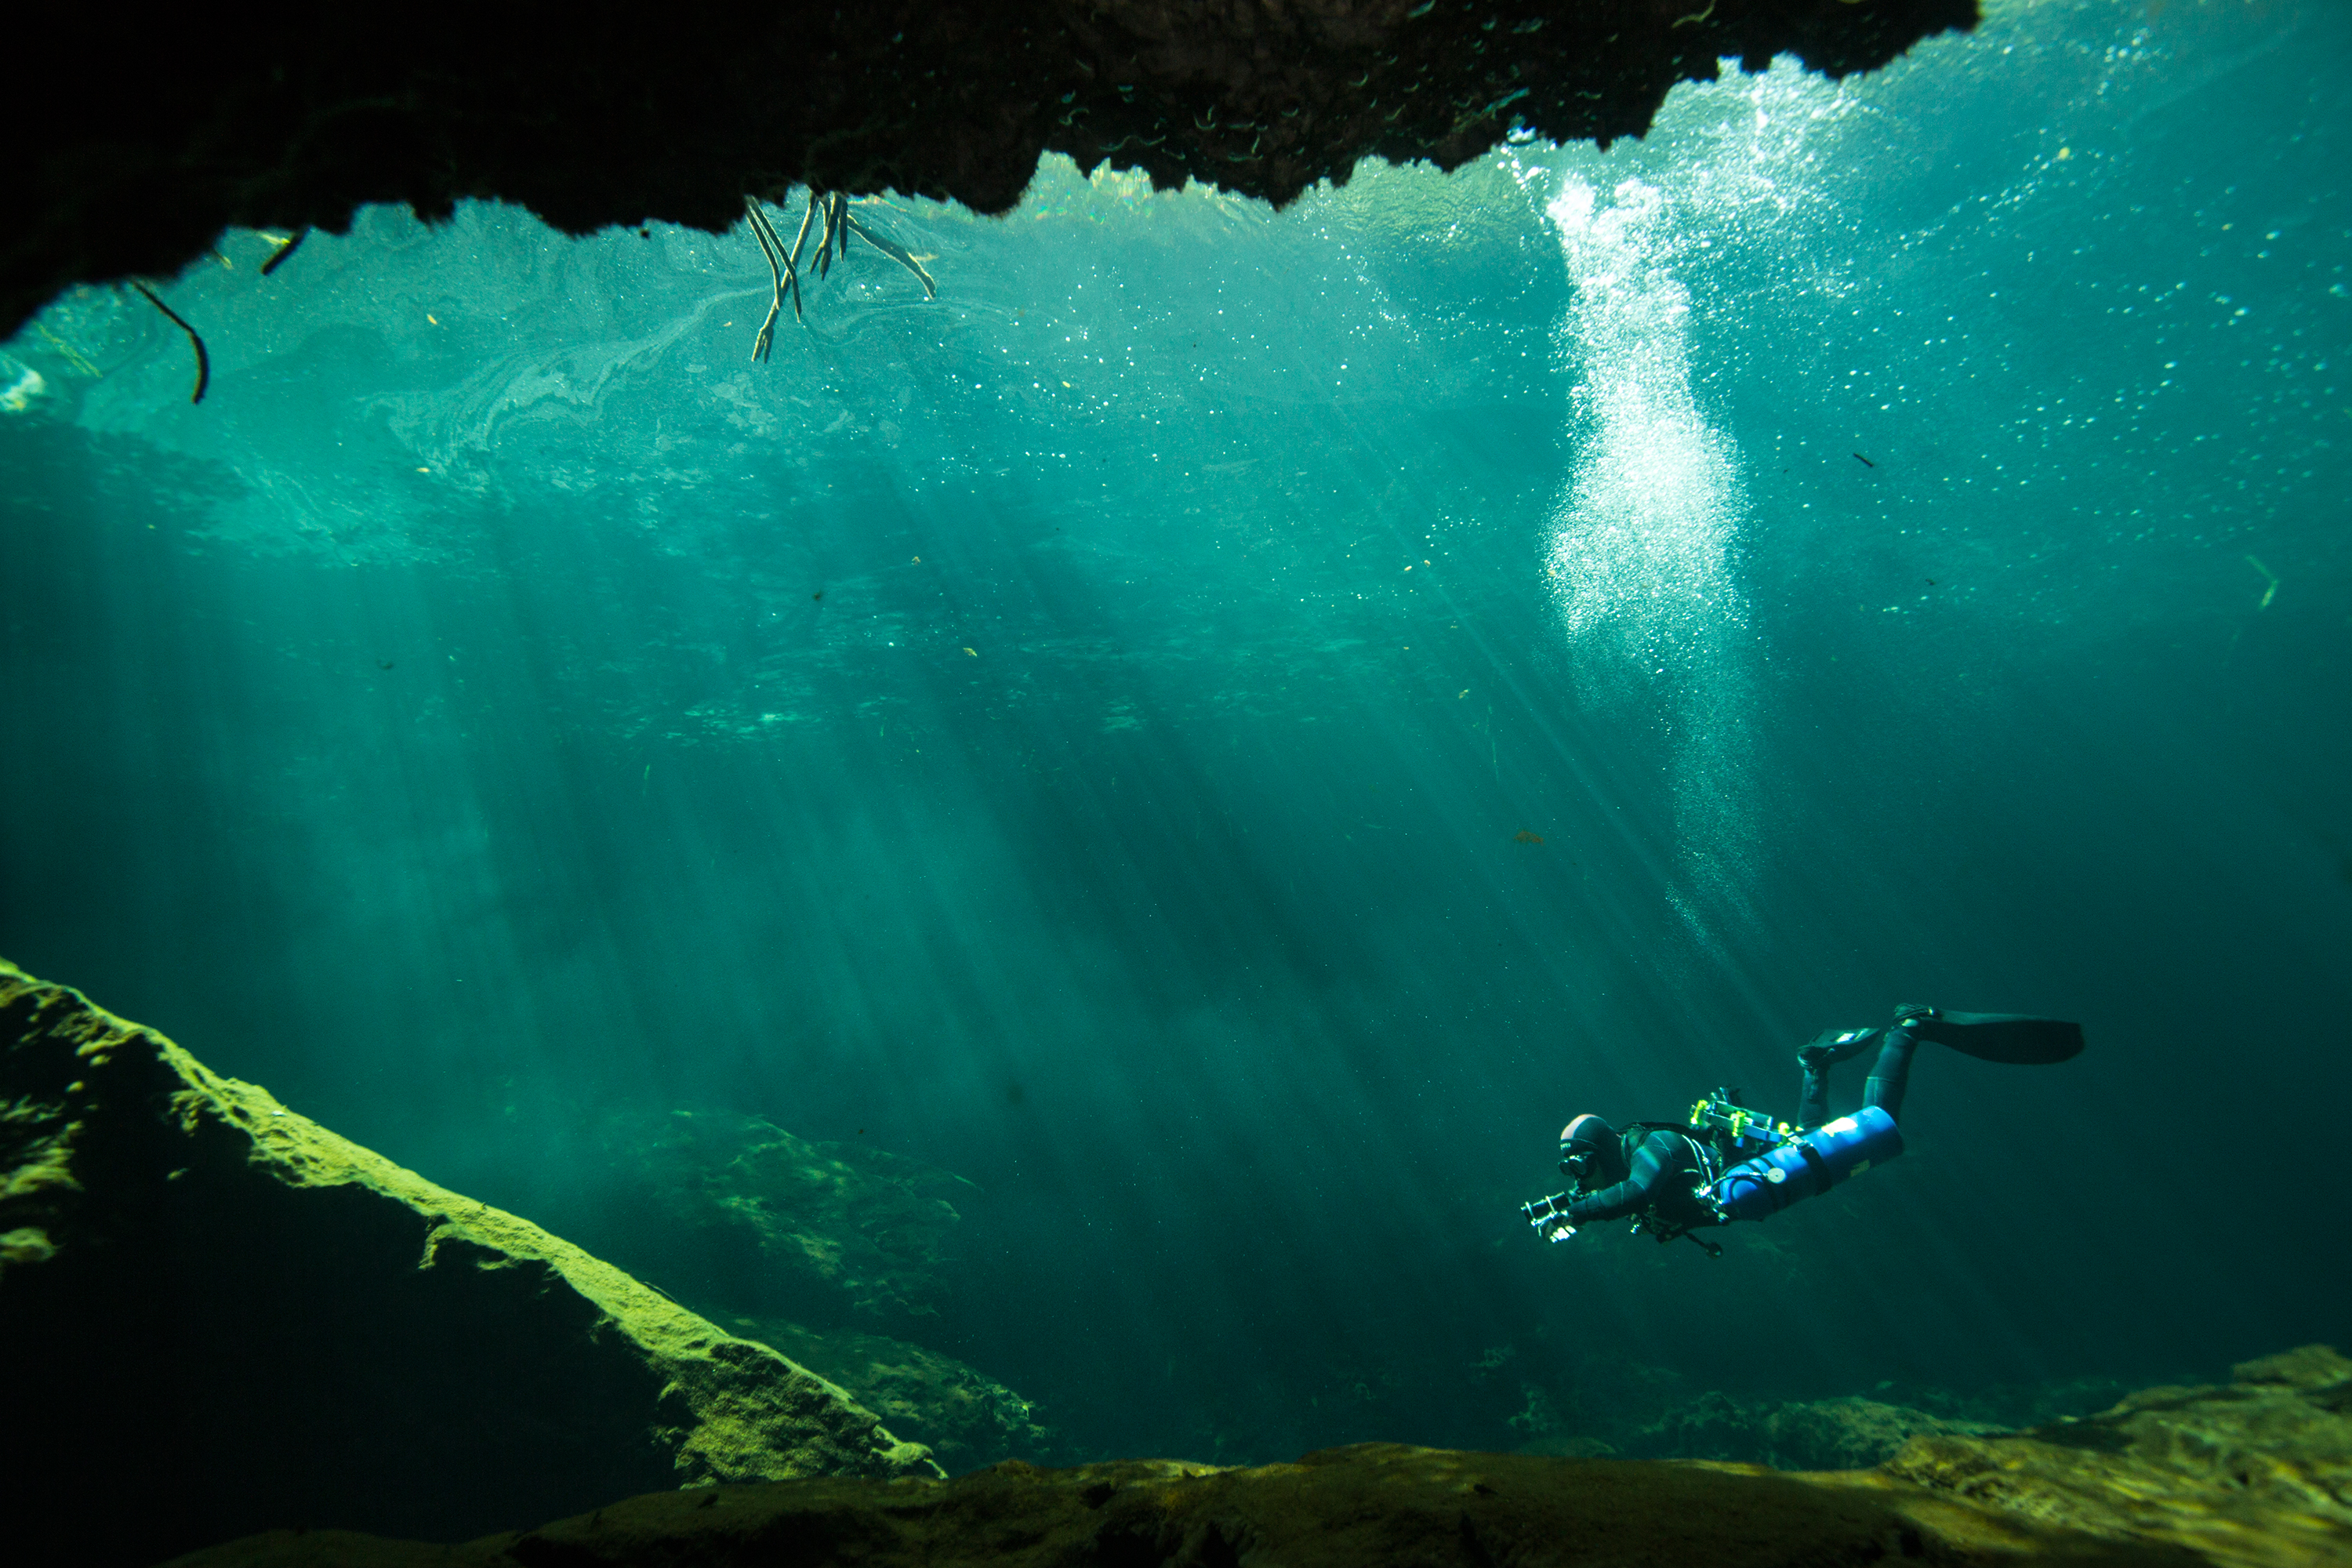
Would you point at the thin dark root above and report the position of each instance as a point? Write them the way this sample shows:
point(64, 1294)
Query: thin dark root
point(772, 248)
point(798, 240)
point(286, 247)
point(889, 247)
point(828, 214)
point(204, 360)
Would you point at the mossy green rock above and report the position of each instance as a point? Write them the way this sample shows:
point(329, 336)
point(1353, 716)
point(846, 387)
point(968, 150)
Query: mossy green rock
point(1820, 1434)
point(746, 1214)
point(2257, 1472)
point(222, 1317)
point(964, 1415)
point(1372, 1506)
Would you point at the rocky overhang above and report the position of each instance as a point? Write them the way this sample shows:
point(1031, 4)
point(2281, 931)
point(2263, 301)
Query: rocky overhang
point(142, 136)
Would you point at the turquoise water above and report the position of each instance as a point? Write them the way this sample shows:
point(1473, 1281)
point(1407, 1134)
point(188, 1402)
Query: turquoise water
point(1225, 729)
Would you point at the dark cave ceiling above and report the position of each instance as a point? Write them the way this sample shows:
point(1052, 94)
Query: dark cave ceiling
point(603, 113)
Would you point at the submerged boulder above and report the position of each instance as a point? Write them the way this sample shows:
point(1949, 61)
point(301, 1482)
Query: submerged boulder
point(2252, 1475)
point(838, 1255)
point(740, 1212)
point(1816, 1435)
point(1370, 1506)
point(2256, 1471)
point(964, 1415)
point(1852, 1433)
point(234, 1319)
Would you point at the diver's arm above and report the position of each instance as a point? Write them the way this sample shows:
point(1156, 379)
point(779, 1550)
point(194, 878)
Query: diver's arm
point(1628, 1195)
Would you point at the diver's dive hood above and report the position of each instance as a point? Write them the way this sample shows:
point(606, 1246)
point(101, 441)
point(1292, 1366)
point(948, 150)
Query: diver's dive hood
point(1589, 1137)
point(1587, 1131)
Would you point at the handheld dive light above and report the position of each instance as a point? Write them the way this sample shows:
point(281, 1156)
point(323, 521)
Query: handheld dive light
point(1549, 1216)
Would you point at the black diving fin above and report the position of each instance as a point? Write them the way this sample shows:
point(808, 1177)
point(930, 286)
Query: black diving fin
point(2003, 1037)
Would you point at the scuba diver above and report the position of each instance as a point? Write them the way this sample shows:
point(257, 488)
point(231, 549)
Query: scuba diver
point(1728, 1162)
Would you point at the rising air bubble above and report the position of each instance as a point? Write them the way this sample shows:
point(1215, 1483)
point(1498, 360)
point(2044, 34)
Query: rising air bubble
point(1640, 557)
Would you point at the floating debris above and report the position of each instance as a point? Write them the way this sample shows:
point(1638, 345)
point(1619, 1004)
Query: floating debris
point(1866, 462)
point(1524, 837)
point(73, 355)
point(2272, 577)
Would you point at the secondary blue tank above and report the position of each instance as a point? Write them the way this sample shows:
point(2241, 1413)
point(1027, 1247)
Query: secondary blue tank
point(1807, 1165)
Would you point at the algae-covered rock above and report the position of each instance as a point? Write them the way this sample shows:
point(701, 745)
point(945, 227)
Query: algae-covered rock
point(775, 1225)
point(965, 1417)
point(1371, 1506)
point(252, 1322)
point(1821, 1434)
point(836, 1253)
point(2257, 1472)
point(1850, 1434)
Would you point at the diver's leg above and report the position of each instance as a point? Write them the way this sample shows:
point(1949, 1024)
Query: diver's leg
point(1826, 1048)
point(1813, 1098)
point(1891, 1073)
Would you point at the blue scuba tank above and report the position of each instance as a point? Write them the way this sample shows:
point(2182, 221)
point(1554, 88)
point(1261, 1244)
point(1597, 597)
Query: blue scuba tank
point(1805, 1166)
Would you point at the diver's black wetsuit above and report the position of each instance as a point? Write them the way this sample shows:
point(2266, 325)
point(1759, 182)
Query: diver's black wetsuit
point(1663, 1170)
point(1671, 1178)
point(1888, 1075)
point(1663, 1180)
